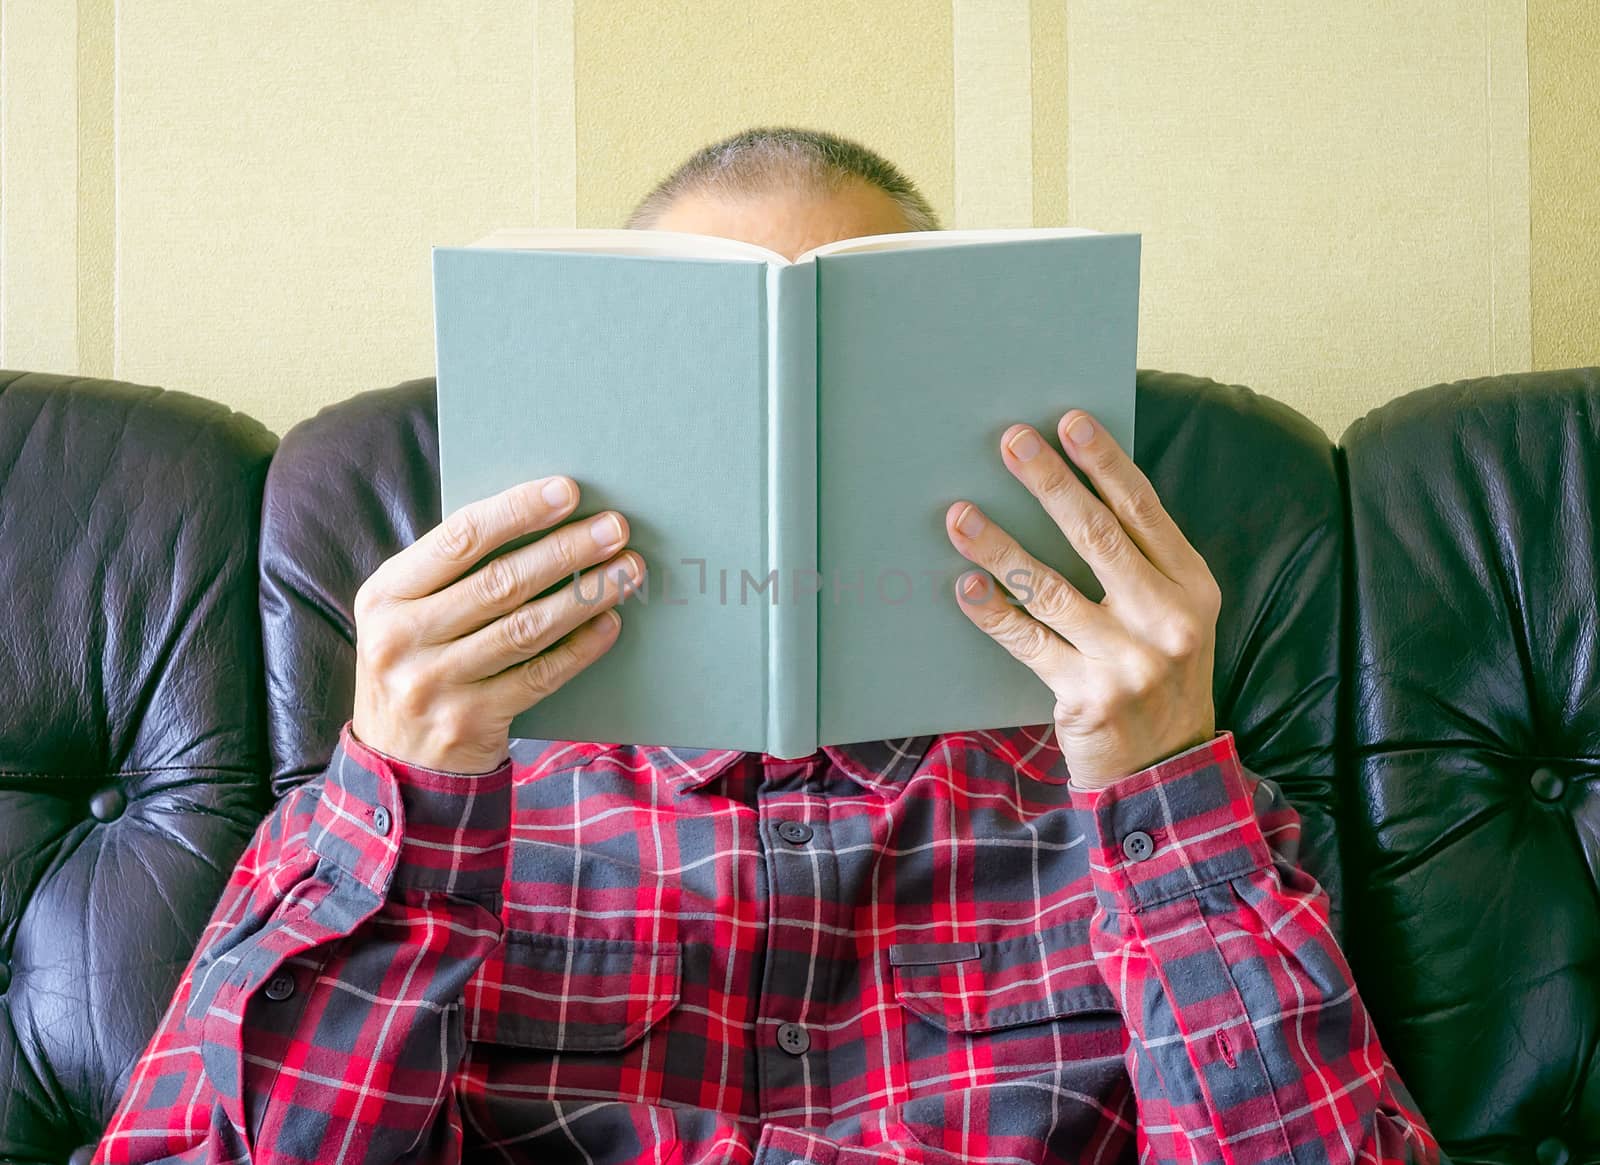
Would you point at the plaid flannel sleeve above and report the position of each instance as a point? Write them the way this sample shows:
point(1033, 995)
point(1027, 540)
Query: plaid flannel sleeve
point(319, 1017)
point(1247, 1030)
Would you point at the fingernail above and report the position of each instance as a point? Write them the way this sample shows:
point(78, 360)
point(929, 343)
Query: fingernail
point(969, 521)
point(1081, 431)
point(974, 584)
point(606, 531)
point(631, 569)
point(609, 622)
point(556, 492)
point(1024, 444)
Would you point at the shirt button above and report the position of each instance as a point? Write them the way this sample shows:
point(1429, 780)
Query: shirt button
point(794, 832)
point(280, 987)
point(1137, 846)
point(380, 821)
point(793, 1038)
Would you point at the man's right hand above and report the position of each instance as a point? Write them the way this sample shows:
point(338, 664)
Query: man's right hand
point(445, 662)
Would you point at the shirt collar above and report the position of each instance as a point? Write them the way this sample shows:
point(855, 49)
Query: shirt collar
point(873, 764)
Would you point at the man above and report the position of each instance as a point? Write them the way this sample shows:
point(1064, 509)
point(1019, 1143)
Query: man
point(1081, 941)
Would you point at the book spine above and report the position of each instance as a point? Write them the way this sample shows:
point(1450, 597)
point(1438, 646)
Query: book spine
point(792, 509)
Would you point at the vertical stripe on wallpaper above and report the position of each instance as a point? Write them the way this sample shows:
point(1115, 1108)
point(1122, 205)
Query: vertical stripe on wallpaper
point(1049, 113)
point(1509, 253)
point(994, 141)
point(97, 189)
point(555, 183)
point(1564, 181)
point(38, 178)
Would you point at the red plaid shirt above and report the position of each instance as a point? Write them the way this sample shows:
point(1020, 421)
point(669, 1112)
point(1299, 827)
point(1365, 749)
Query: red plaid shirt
point(926, 950)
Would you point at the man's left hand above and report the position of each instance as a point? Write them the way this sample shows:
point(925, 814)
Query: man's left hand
point(1131, 674)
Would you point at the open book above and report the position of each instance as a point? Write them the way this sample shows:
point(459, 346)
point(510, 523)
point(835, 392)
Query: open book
point(784, 439)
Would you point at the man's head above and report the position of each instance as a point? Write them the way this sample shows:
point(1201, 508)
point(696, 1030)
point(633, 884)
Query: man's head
point(785, 189)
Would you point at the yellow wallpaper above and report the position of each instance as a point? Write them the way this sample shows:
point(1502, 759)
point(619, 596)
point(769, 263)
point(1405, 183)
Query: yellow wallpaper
point(991, 81)
point(1049, 82)
point(38, 181)
point(655, 79)
point(280, 180)
point(96, 194)
point(1339, 202)
point(1333, 211)
point(1564, 180)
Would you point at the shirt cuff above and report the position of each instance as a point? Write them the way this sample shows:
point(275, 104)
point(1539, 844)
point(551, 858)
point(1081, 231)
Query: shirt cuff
point(1172, 829)
point(391, 824)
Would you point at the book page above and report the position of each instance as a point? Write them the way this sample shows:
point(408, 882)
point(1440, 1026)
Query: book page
point(687, 245)
point(605, 240)
point(909, 240)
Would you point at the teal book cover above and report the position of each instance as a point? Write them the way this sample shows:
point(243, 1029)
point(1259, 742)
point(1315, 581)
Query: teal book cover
point(784, 439)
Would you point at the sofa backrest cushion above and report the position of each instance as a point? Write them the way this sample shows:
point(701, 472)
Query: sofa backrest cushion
point(1473, 835)
point(348, 488)
point(132, 742)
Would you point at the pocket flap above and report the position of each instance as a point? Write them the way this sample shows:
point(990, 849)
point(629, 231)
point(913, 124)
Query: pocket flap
point(571, 994)
point(986, 986)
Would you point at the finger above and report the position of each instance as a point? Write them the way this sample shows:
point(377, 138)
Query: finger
point(1051, 658)
point(536, 625)
point(508, 582)
point(447, 551)
point(1129, 494)
point(1091, 527)
point(525, 684)
point(1043, 593)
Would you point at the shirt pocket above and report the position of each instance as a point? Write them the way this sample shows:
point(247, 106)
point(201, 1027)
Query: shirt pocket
point(562, 994)
point(1005, 1045)
point(570, 1048)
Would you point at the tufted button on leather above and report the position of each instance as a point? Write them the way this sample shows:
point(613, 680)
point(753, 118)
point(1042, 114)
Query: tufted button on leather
point(1137, 846)
point(280, 987)
point(5, 976)
point(1553, 1151)
point(107, 804)
point(82, 1155)
point(1547, 784)
point(380, 821)
point(793, 1038)
point(794, 832)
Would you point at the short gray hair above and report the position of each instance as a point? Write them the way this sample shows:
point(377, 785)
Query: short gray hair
point(768, 156)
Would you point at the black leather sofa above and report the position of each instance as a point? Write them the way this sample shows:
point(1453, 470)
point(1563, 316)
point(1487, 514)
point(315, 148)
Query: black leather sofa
point(1409, 645)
